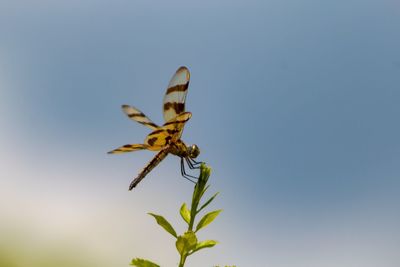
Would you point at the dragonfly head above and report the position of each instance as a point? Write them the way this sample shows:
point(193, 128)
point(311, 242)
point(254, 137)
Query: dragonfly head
point(193, 151)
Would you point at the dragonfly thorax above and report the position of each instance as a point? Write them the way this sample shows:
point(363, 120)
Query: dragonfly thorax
point(180, 149)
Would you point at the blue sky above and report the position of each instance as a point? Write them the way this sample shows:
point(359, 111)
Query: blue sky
point(295, 106)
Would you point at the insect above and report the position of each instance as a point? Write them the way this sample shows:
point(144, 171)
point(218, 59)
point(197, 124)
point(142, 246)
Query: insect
point(167, 138)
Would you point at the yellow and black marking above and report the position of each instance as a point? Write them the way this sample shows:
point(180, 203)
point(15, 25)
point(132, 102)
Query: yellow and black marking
point(179, 120)
point(169, 132)
point(160, 138)
point(128, 148)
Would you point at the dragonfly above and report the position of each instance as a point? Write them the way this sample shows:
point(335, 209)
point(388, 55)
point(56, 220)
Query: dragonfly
point(165, 139)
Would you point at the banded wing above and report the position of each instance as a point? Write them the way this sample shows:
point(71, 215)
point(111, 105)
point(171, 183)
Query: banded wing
point(128, 148)
point(137, 115)
point(169, 132)
point(177, 124)
point(174, 99)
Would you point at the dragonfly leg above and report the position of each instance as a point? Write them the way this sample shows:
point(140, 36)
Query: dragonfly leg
point(184, 174)
point(196, 162)
point(192, 163)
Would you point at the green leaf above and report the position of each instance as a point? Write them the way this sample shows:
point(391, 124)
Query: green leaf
point(143, 263)
point(164, 224)
point(186, 242)
point(207, 219)
point(185, 213)
point(204, 244)
point(208, 202)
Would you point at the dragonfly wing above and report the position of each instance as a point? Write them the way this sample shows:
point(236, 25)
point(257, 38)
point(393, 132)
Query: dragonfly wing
point(128, 148)
point(176, 125)
point(174, 99)
point(170, 131)
point(138, 116)
point(158, 139)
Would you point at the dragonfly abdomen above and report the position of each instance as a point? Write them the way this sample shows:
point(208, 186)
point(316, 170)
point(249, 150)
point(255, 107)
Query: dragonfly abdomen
point(151, 165)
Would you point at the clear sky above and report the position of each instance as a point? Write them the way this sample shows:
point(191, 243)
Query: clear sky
point(295, 106)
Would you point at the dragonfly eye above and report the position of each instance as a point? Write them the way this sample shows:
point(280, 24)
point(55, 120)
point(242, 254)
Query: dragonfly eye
point(194, 151)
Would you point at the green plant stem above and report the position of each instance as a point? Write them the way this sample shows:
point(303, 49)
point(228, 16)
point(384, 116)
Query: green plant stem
point(198, 192)
point(182, 260)
point(193, 213)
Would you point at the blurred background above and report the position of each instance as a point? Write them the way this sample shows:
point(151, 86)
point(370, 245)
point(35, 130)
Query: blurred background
point(295, 106)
